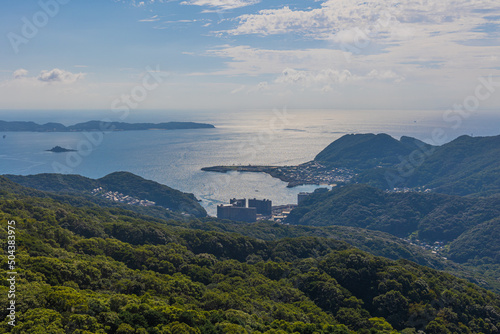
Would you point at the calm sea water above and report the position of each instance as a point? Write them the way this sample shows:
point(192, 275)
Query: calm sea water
point(175, 157)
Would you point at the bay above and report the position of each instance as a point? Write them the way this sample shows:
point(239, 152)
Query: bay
point(175, 158)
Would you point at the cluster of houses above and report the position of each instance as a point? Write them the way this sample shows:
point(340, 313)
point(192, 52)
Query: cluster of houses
point(315, 173)
point(119, 197)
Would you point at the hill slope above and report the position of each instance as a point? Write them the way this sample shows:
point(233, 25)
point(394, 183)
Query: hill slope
point(363, 151)
point(467, 165)
point(374, 242)
point(91, 270)
point(436, 217)
point(478, 243)
point(464, 166)
point(121, 182)
point(468, 227)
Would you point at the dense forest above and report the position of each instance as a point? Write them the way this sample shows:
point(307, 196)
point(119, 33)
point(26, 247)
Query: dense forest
point(431, 217)
point(93, 269)
point(468, 227)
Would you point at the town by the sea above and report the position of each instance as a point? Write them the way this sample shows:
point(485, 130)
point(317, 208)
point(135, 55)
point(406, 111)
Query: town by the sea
point(278, 137)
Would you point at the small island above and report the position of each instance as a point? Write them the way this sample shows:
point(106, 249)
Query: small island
point(59, 149)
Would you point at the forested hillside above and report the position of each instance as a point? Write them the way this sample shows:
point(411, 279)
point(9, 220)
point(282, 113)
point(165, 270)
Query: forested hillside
point(468, 227)
point(464, 166)
point(365, 151)
point(432, 217)
point(121, 182)
point(106, 270)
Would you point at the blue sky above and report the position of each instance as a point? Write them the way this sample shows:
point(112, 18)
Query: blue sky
point(249, 54)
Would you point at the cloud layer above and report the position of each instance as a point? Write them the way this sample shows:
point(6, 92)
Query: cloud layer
point(57, 75)
point(334, 16)
point(49, 76)
point(221, 4)
point(241, 53)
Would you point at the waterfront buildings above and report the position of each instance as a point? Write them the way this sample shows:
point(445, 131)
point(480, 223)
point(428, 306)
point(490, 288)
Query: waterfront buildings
point(246, 211)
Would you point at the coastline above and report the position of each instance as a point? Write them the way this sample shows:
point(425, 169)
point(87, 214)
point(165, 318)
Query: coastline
point(309, 173)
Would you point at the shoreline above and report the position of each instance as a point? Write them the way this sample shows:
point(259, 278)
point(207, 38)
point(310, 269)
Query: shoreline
point(309, 173)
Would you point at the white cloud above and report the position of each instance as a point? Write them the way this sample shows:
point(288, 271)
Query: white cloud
point(138, 4)
point(420, 53)
point(20, 73)
point(246, 60)
point(440, 45)
point(389, 18)
point(55, 75)
point(329, 79)
point(388, 75)
point(154, 18)
point(312, 78)
point(58, 75)
point(332, 16)
point(221, 4)
point(238, 89)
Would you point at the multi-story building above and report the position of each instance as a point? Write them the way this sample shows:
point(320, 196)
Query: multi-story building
point(264, 207)
point(232, 212)
point(240, 203)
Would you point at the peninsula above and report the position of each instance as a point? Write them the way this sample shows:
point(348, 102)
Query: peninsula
point(341, 161)
point(308, 173)
point(98, 126)
point(465, 166)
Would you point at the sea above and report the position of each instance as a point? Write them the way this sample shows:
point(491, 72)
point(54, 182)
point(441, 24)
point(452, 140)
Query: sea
point(280, 137)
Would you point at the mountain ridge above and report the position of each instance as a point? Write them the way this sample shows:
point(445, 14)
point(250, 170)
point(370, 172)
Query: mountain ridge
point(369, 150)
point(465, 166)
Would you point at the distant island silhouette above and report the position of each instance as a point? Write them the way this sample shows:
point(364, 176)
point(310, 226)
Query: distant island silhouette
point(18, 126)
point(59, 149)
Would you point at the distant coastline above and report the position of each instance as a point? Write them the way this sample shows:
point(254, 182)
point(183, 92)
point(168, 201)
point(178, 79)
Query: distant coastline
point(18, 126)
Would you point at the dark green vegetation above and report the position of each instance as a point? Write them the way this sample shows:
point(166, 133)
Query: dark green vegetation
point(364, 151)
point(481, 272)
point(464, 166)
point(479, 242)
point(433, 217)
point(121, 182)
point(469, 226)
point(90, 269)
point(99, 126)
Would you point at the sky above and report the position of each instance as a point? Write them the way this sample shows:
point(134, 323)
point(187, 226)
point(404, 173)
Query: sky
point(249, 54)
